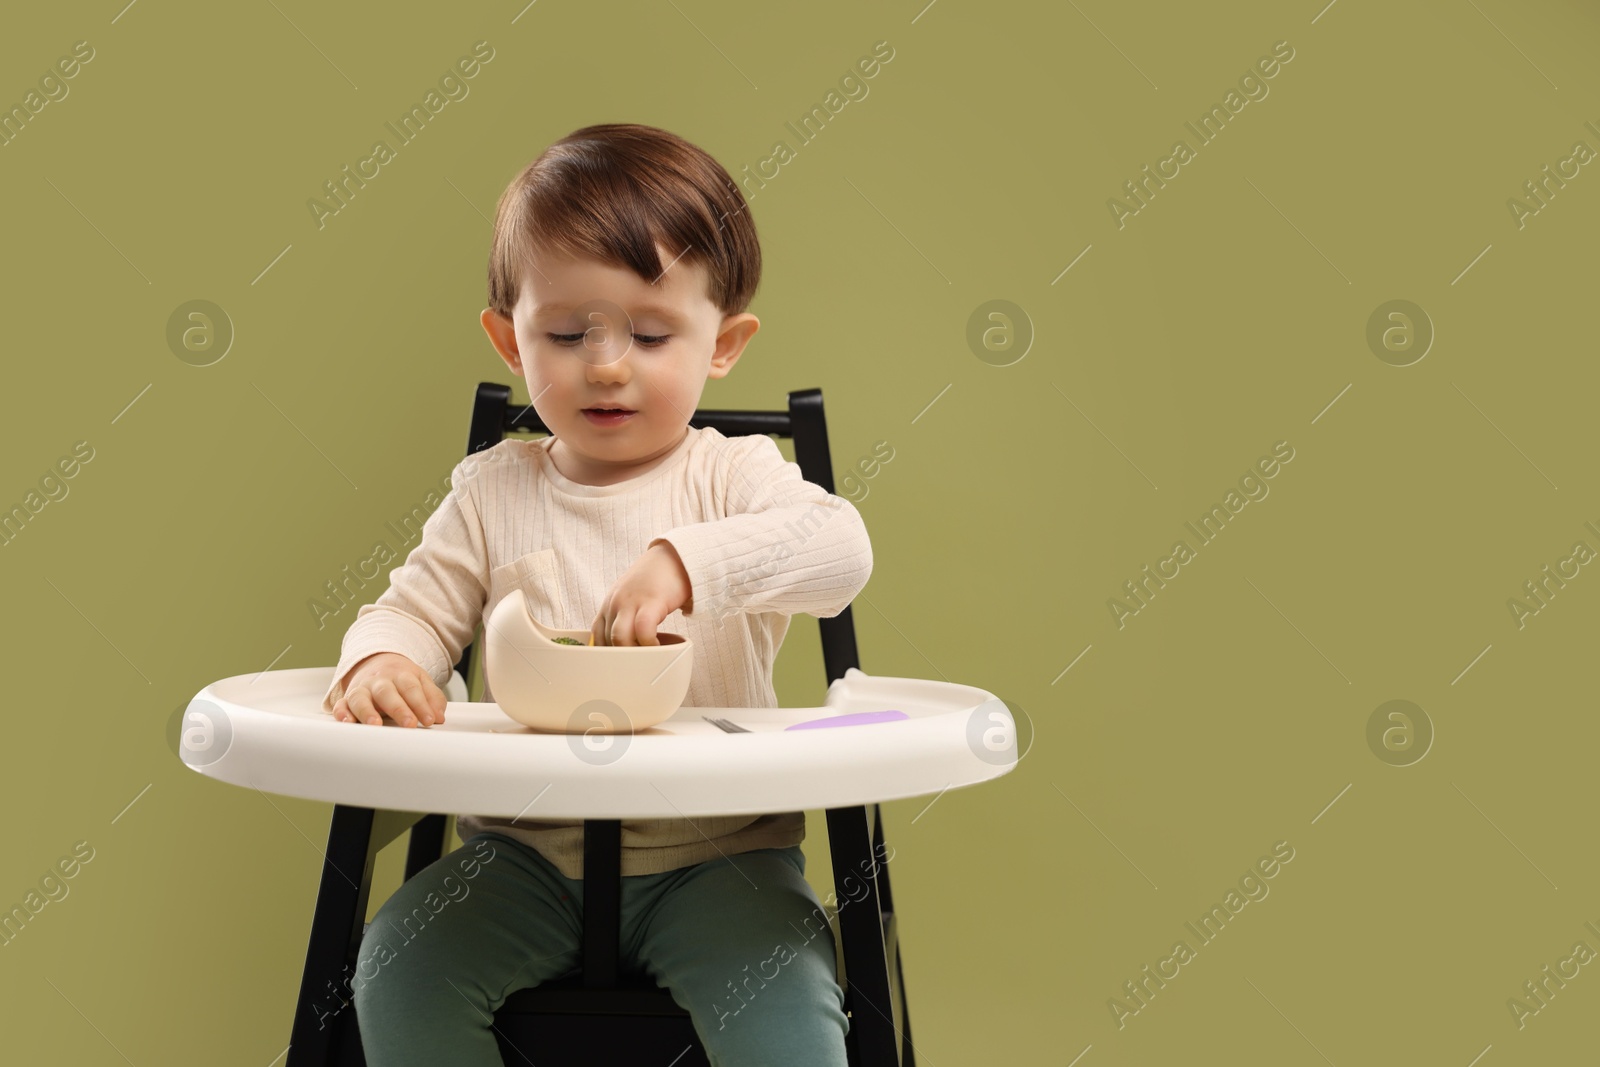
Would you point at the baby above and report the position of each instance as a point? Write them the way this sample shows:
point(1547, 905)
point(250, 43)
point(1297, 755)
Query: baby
point(622, 262)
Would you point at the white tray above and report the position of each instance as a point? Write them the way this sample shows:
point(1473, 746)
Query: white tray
point(268, 731)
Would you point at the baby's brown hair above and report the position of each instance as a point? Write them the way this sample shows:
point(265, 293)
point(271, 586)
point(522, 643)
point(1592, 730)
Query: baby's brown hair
point(609, 193)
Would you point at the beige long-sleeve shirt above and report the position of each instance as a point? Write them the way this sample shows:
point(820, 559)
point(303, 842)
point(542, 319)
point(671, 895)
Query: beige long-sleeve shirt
point(758, 542)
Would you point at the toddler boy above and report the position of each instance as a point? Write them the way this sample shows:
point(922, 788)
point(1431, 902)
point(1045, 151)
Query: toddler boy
point(623, 259)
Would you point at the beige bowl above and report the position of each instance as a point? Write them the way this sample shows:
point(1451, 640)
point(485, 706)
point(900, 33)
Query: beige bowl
point(580, 688)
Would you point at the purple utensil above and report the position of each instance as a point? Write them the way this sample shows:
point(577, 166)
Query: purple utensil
point(859, 718)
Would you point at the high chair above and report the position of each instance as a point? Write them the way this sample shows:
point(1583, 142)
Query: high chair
point(599, 1015)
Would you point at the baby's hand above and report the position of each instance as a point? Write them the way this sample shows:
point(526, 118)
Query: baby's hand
point(387, 684)
point(653, 588)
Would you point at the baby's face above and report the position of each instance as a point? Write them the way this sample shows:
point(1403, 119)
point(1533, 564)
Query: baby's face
point(587, 335)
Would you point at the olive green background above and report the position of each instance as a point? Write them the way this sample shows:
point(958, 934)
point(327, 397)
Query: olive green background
point(1229, 314)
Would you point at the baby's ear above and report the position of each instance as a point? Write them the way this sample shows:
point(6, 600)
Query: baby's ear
point(503, 335)
point(732, 337)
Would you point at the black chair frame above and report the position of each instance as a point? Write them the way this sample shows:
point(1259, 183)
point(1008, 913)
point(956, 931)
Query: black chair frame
point(560, 1022)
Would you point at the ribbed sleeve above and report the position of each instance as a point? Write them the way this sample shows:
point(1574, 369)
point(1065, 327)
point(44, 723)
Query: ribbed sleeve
point(786, 545)
point(434, 600)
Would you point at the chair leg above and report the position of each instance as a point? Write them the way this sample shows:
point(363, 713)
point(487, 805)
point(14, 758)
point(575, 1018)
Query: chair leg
point(907, 1053)
point(872, 1039)
point(426, 845)
point(602, 901)
point(884, 895)
point(335, 926)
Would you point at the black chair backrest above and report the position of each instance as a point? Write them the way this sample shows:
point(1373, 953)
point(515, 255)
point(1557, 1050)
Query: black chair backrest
point(494, 416)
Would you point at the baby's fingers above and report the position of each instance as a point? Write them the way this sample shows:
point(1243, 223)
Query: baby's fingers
point(639, 626)
point(359, 707)
point(418, 704)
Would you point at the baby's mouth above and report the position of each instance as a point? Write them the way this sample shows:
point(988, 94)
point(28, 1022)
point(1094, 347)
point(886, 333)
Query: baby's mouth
point(608, 416)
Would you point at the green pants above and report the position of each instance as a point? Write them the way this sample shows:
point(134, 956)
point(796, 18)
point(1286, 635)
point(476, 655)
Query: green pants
point(741, 942)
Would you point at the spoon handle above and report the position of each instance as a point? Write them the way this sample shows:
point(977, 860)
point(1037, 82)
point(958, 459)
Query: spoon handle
point(859, 718)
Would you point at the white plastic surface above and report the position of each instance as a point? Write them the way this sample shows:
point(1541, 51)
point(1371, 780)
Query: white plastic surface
point(268, 731)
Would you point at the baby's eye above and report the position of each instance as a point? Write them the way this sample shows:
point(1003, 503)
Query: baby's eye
point(568, 340)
